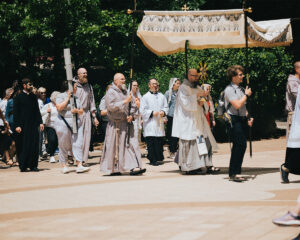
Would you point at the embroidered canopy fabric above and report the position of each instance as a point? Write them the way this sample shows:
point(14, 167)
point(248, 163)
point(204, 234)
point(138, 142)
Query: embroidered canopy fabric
point(165, 32)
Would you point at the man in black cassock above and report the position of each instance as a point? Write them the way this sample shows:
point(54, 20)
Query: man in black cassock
point(27, 120)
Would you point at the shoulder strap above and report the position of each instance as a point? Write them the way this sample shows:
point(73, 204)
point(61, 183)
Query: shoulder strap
point(67, 124)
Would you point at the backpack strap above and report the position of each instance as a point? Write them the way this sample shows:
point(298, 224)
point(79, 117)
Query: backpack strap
point(229, 104)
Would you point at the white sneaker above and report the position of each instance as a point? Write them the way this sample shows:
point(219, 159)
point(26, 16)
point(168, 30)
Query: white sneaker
point(65, 170)
point(82, 169)
point(52, 160)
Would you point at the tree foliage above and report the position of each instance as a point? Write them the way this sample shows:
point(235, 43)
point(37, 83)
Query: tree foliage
point(35, 32)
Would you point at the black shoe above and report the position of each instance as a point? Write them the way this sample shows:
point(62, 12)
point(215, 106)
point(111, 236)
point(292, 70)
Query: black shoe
point(34, 169)
point(137, 172)
point(23, 170)
point(194, 172)
point(116, 174)
point(154, 164)
point(284, 175)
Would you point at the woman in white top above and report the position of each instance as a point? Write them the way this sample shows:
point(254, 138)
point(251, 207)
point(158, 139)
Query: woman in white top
point(49, 115)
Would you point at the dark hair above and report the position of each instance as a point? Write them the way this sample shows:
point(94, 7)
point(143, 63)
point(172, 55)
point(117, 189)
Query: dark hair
point(25, 81)
point(65, 86)
point(232, 71)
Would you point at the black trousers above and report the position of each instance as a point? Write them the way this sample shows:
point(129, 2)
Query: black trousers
point(5, 140)
point(172, 141)
point(155, 149)
point(239, 144)
point(52, 144)
point(292, 160)
point(103, 130)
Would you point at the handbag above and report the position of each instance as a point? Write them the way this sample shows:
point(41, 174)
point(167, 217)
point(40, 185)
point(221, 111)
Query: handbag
point(201, 144)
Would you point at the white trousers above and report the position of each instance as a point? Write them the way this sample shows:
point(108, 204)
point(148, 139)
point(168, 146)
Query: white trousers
point(69, 142)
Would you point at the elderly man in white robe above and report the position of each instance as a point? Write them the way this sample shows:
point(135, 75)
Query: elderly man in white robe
point(154, 108)
point(190, 126)
point(120, 154)
point(85, 95)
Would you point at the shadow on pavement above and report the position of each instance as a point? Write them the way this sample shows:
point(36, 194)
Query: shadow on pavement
point(246, 170)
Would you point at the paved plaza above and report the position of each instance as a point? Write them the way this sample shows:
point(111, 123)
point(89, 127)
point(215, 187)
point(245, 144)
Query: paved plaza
point(162, 204)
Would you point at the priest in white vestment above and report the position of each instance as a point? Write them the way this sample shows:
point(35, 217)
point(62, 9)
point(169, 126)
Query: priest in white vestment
point(189, 123)
point(154, 108)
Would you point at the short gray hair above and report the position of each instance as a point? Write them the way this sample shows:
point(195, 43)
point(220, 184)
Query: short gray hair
point(54, 95)
point(9, 92)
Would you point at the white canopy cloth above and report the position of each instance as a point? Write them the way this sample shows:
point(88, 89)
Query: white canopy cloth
point(165, 32)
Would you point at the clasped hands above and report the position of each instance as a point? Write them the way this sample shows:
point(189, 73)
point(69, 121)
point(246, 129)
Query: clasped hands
point(161, 113)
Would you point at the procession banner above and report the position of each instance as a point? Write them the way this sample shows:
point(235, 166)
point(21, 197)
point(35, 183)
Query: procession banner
point(165, 32)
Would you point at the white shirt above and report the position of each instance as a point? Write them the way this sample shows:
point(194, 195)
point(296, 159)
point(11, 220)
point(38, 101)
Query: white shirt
point(294, 135)
point(3, 105)
point(41, 104)
point(49, 118)
point(153, 126)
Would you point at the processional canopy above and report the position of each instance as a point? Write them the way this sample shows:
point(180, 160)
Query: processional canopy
point(165, 32)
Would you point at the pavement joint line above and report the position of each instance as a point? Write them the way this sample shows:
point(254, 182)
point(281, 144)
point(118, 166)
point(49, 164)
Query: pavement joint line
point(66, 211)
point(76, 184)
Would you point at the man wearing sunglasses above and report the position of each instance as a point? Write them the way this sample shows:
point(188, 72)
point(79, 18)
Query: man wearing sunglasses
point(28, 121)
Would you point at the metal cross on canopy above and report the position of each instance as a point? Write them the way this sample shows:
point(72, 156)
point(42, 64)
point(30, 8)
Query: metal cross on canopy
point(185, 8)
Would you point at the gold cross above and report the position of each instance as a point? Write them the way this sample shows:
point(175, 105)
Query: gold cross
point(185, 8)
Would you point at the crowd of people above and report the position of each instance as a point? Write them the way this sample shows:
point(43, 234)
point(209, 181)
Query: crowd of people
point(35, 127)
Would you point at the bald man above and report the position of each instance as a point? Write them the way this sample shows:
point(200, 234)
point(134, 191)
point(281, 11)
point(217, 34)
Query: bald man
point(85, 95)
point(119, 156)
point(191, 127)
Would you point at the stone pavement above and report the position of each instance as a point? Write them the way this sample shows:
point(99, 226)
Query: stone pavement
point(162, 204)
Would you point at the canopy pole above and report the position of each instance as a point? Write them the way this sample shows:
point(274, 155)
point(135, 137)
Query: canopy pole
point(186, 58)
point(69, 74)
point(131, 67)
point(247, 67)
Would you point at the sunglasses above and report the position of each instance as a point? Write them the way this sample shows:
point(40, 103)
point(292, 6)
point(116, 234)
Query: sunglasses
point(43, 92)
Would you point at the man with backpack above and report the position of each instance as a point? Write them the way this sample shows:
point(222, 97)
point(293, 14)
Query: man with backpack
point(235, 104)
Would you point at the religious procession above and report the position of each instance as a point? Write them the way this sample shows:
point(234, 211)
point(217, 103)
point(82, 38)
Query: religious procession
point(209, 88)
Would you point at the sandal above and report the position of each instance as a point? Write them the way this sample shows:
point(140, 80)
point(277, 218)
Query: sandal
point(70, 160)
point(9, 162)
point(235, 178)
point(212, 170)
point(137, 172)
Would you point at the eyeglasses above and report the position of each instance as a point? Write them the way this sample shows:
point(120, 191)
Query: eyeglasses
point(194, 75)
point(42, 92)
